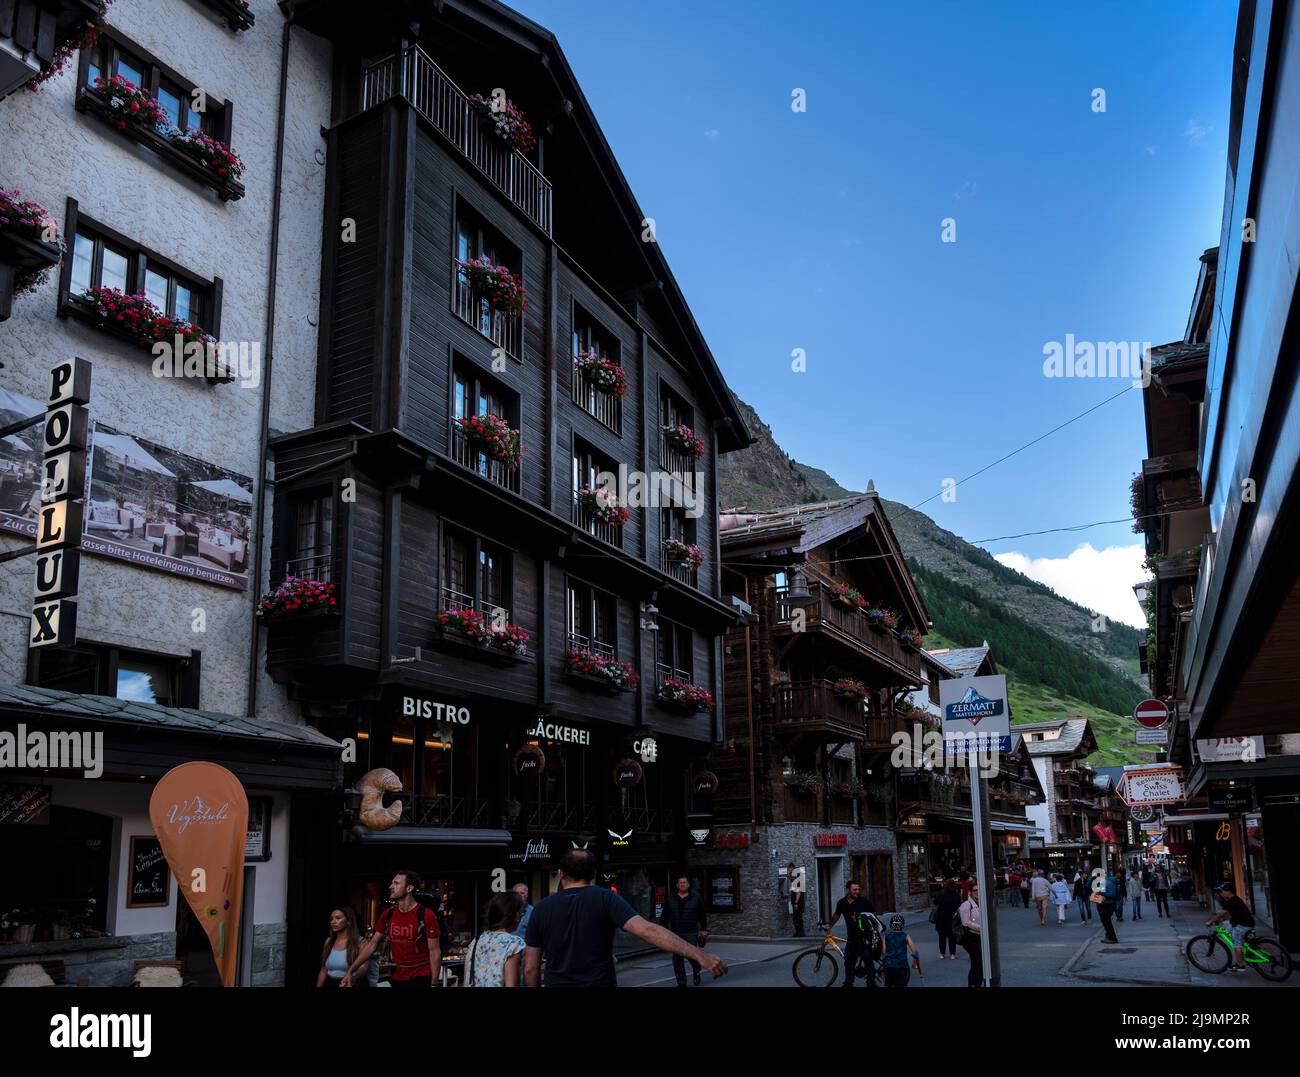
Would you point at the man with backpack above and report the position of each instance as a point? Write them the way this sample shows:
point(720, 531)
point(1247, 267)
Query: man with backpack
point(862, 946)
point(410, 929)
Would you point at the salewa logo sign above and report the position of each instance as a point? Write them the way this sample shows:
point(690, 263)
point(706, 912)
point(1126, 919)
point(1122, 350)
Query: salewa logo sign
point(700, 836)
point(619, 839)
point(973, 708)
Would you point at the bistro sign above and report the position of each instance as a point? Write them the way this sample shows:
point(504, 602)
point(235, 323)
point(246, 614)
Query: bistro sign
point(426, 708)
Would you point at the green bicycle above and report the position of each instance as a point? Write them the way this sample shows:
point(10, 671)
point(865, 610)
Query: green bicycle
point(1213, 953)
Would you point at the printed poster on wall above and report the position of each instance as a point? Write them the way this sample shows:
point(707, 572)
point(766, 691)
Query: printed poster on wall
point(199, 812)
point(147, 504)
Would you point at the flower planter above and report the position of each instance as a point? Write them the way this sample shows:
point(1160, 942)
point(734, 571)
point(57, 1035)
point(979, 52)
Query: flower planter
point(502, 288)
point(684, 696)
point(602, 504)
point(683, 553)
point(601, 671)
point(507, 124)
point(605, 374)
point(234, 13)
point(186, 160)
point(682, 439)
point(492, 436)
point(469, 629)
point(78, 35)
point(26, 257)
point(297, 598)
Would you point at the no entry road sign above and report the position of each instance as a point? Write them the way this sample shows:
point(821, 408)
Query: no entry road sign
point(1151, 713)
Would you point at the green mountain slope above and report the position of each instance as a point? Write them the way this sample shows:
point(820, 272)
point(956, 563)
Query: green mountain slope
point(1061, 661)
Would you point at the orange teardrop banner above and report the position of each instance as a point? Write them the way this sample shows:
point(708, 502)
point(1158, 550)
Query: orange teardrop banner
point(200, 813)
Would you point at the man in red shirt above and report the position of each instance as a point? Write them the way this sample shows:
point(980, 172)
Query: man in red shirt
point(409, 927)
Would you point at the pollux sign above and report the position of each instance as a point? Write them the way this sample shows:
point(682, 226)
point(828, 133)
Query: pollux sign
point(58, 526)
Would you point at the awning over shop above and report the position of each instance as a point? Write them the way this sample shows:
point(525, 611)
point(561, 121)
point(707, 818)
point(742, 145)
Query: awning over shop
point(431, 835)
point(996, 824)
point(142, 741)
point(1201, 817)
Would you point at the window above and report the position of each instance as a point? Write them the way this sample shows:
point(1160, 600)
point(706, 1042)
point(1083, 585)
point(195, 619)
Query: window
point(476, 573)
point(311, 549)
point(473, 393)
point(594, 469)
point(591, 620)
point(676, 526)
point(475, 240)
point(676, 651)
point(96, 669)
point(113, 55)
point(104, 258)
point(673, 411)
point(590, 338)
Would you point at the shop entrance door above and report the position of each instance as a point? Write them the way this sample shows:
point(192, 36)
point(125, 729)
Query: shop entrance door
point(830, 885)
point(880, 885)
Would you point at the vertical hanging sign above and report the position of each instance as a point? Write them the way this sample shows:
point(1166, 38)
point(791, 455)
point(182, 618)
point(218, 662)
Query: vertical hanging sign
point(63, 484)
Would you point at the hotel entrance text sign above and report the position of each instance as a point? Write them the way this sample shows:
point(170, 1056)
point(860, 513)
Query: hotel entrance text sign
point(63, 486)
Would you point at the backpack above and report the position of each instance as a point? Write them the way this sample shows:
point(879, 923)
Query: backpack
point(874, 935)
point(386, 918)
point(958, 928)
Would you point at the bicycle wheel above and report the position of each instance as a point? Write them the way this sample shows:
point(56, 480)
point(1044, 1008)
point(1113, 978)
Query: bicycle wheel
point(1269, 959)
point(816, 968)
point(1208, 953)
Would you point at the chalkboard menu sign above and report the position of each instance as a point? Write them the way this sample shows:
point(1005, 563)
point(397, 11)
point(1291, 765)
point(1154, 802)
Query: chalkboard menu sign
point(24, 803)
point(724, 889)
point(149, 877)
point(257, 842)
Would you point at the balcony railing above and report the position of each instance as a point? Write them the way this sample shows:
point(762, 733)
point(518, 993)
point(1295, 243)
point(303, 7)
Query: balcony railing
point(677, 462)
point(847, 624)
point(318, 567)
point(842, 809)
point(535, 815)
point(593, 525)
point(474, 307)
point(645, 820)
point(681, 571)
point(467, 454)
point(664, 672)
point(801, 807)
point(468, 812)
point(591, 398)
point(413, 75)
point(458, 600)
point(579, 642)
point(813, 703)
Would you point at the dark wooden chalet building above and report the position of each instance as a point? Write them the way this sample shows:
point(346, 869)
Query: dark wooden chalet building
point(816, 685)
point(504, 751)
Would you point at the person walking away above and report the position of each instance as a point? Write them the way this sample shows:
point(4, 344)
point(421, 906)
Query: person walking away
point(1060, 896)
point(859, 915)
point(797, 898)
point(573, 929)
point(1135, 894)
point(494, 959)
point(1040, 891)
point(969, 913)
point(522, 929)
point(946, 906)
point(1013, 885)
point(684, 916)
point(1240, 919)
point(1121, 877)
point(1081, 893)
point(1026, 889)
point(898, 947)
point(1160, 888)
point(1111, 896)
point(412, 933)
point(341, 948)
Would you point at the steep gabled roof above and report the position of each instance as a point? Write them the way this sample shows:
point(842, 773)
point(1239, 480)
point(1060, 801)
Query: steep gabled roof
point(1076, 737)
point(964, 662)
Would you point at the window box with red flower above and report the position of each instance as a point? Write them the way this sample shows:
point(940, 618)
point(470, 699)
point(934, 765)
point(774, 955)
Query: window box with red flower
point(235, 13)
point(604, 670)
point(503, 289)
point(76, 26)
point(910, 638)
point(135, 114)
point(605, 374)
point(30, 246)
point(684, 553)
point(505, 121)
point(603, 504)
point(680, 438)
point(492, 436)
point(469, 627)
point(297, 597)
point(684, 695)
point(882, 620)
point(850, 598)
point(848, 688)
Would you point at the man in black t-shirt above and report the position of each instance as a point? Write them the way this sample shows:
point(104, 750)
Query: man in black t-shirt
point(859, 916)
point(1236, 912)
point(574, 930)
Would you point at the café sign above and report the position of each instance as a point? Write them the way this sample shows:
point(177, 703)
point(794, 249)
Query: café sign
point(63, 485)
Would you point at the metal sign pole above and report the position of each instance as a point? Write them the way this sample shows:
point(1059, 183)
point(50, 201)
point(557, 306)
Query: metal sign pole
point(984, 872)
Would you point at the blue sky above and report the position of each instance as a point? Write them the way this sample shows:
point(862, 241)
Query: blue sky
point(822, 230)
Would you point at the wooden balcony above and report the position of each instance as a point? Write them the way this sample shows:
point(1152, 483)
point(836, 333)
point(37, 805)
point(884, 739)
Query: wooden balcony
point(681, 571)
point(467, 454)
point(413, 75)
point(603, 406)
point(801, 807)
point(842, 809)
point(474, 307)
point(810, 708)
point(586, 519)
point(848, 631)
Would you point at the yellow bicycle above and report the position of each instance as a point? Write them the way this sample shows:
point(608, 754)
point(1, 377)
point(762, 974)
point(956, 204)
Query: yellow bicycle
point(819, 967)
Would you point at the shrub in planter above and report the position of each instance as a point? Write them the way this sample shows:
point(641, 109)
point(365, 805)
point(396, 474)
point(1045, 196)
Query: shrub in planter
point(605, 374)
point(684, 440)
point(296, 595)
point(618, 674)
point(686, 553)
point(881, 618)
point(130, 105)
point(492, 435)
point(802, 781)
point(139, 318)
point(911, 637)
point(506, 122)
point(465, 622)
point(29, 220)
point(604, 505)
point(212, 153)
point(842, 789)
point(81, 37)
point(848, 688)
point(512, 639)
point(685, 694)
point(503, 289)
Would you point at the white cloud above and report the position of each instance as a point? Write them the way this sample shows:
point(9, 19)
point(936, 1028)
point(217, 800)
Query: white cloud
point(712, 134)
point(1101, 580)
point(1196, 130)
point(966, 190)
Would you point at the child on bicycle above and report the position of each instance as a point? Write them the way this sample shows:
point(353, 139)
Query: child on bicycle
point(1235, 911)
point(898, 945)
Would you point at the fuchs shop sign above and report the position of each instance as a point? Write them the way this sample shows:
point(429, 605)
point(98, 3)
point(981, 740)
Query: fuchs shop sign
point(63, 484)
